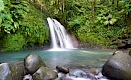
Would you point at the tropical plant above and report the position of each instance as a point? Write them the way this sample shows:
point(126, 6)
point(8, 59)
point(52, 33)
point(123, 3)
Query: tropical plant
point(20, 22)
point(11, 16)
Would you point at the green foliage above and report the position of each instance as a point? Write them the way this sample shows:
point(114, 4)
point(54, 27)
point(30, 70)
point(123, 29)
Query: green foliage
point(13, 42)
point(1, 5)
point(95, 21)
point(11, 15)
point(106, 29)
point(91, 21)
point(23, 23)
point(34, 27)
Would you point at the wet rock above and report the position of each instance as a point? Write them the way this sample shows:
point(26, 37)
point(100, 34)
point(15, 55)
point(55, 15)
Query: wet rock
point(12, 70)
point(27, 77)
point(61, 75)
point(44, 73)
point(99, 76)
point(94, 71)
point(117, 52)
point(62, 69)
point(80, 73)
point(58, 79)
point(90, 76)
point(118, 67)
point(17, 70)
point(74, 78)
point(5, 72)
point(32, 63)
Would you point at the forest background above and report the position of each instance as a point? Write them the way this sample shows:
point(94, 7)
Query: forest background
point(93, 22)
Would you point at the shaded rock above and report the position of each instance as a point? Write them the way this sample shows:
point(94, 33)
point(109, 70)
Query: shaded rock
point(130, 52)
point(12, 70)
point(118, 67)
point(125, 44)
point(44, 73)
point(32, 63)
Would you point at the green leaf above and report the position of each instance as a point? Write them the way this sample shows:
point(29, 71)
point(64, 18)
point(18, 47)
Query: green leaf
point(1, 5)
point(16, 25)
point(121, 3)
point(106, 22)
point(9, 16)
point(0, 20)
point(20, 12)
point(112, 21)
point(7, 31)
point(99, 18)
point(122, 11)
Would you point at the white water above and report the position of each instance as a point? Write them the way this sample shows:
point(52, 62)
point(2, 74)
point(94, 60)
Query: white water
point(59, 36)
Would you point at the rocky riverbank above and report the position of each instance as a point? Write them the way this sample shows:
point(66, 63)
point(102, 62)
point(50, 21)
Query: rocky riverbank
point(34, 68)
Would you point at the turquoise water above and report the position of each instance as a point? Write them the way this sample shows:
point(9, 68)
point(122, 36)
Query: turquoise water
point(75, 58)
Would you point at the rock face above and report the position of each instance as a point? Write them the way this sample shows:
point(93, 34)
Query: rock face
point(32, 63)
point(12, 70)
point(74, 41)
point(44, 73)
point(118, 67)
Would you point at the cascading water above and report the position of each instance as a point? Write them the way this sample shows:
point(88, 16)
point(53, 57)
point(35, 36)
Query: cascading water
point(59, 36)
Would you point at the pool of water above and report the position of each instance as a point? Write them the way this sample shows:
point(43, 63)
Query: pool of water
point(72, 58)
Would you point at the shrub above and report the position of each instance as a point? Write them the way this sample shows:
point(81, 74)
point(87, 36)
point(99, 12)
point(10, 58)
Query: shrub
point(13, 42)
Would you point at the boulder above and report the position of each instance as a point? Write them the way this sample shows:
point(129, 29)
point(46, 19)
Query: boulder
point(17, 70)
point(12, 70)
point(32, 63)
point(118, 67)
point(5, 72)
point(44, 73)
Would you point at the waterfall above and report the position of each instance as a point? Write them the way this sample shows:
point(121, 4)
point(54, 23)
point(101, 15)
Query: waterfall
point(59, 36)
